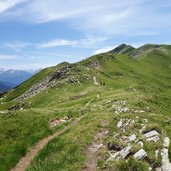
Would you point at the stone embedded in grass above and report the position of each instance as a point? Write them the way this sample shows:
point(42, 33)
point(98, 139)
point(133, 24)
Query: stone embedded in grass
point(157, 154)
point(120, 123)
point(132, 138)
point(151, 134)
point(166, 142)
point(140, 143)
point(124, 152)
point(141, 154)
point(143, 128)
point(154, 139)
point(166, 165)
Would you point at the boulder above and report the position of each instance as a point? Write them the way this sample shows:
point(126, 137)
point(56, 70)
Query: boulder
point(141, 154)
point(124, 152)
point(151, 134)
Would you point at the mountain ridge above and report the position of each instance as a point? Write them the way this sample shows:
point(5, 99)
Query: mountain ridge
point(123, 99)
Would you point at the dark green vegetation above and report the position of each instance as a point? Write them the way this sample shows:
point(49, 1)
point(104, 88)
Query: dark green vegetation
point(141, 76)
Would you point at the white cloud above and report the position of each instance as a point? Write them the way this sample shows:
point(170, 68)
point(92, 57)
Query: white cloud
point(17, 46)
point(107, 17)
point(103, 50)
point(7, 4)
point(56, 43)
point(6, 57)
point(86, 42)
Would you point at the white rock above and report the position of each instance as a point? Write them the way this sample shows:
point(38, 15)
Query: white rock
point(120, 123)
point(156, 154)
point(151, 134)
point(142, 129)
point(132, 122)
point(166, 142)
point(62, 121)
point(140, 143)
point(112, 157)
point(141, 154)
point(166, 165)
point(124, 152)
point(127, 123)
point(95, 81)
point(132, 138)
point(158, 169)
point(154, 139)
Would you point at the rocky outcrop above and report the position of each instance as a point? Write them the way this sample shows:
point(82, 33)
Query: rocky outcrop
point(51, 80)
point(20, 106)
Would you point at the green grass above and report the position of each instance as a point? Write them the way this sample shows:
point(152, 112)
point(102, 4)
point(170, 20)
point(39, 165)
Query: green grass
point(148, 75)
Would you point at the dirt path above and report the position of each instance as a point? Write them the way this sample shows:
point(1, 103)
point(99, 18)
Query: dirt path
point(93, 151)
point(26, 160)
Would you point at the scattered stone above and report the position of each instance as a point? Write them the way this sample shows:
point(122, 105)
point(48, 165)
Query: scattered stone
point(154, 139)
point(156, 154)
point(95, 81)
point(62, 121)
point(120, 123)
point(150, 168)
point(166, 142)
point(20, 106)
point(142, 129)
point(129, 123)
point(141, 154)
point(140, 143)
point(124, 152)
point(132, 138)
point(166, 165)
point(151, 134)
point(113, 156)
point(158, 169)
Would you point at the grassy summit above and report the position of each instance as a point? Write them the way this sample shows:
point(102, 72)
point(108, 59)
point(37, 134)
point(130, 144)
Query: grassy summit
point(123, 84)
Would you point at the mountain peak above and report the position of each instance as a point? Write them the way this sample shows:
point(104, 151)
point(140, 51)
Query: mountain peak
point(123, 49)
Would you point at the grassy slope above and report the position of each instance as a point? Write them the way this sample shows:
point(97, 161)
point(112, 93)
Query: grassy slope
point(149, 75)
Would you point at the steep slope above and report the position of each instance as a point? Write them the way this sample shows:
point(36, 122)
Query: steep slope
point(122, 95)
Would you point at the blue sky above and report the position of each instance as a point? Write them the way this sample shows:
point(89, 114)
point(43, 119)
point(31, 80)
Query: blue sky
point(40, 33)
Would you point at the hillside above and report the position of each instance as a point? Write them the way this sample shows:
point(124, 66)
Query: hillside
point(108, 112)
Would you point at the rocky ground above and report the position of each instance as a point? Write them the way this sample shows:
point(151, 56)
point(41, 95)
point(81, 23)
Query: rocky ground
point(136, 138)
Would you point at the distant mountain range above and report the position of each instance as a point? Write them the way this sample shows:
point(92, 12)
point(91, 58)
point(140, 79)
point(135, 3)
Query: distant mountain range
point(12, 78)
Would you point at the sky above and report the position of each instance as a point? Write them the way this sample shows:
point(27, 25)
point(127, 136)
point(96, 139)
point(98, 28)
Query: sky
point(39, 33)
